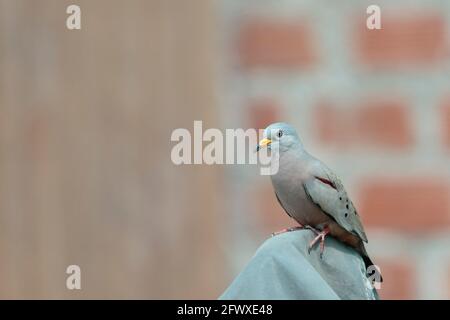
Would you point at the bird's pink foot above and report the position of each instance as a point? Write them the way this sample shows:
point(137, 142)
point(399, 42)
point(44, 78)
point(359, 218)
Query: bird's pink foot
point(288, 230)
point(320, 236)
point(312, 229)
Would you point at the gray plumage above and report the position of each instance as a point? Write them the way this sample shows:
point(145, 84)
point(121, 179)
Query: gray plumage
point(310, 192)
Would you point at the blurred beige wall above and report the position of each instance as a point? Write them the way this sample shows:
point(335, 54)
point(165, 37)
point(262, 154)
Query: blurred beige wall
point(85, 170)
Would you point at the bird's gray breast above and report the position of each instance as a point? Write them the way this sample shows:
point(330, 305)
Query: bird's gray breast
point(288, 185)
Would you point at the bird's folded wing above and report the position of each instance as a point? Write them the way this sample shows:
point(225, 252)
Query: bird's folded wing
point(334, 201)
point(282, 268)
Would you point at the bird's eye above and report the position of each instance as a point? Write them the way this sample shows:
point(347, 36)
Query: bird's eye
point(280, 133)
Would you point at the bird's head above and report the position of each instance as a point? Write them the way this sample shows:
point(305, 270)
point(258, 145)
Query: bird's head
point(279, 135)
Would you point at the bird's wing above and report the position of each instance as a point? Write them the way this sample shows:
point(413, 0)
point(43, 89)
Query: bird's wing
point(326, 190)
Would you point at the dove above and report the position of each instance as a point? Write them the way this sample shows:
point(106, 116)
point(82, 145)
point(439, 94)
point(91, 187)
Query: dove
point(311, 193)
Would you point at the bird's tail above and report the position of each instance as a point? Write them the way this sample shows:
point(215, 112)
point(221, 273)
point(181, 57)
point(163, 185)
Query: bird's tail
point(372, 269)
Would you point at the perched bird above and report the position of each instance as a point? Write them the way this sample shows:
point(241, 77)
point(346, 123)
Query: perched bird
point(311, 193)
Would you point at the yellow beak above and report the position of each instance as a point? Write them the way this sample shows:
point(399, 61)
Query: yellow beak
point(263, 143)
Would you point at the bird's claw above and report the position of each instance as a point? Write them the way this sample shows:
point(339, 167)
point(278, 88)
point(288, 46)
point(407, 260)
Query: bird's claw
point(312, 229)
point(320, 236)
point(287, 230)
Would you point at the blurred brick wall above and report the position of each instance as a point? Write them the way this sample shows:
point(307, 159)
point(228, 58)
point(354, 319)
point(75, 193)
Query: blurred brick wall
point(373, 104)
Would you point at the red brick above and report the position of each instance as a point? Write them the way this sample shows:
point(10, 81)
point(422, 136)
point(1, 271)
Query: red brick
point(279, 44)
point(446, 122)
point(383, 123)
point(403, 40)
point(406, 204)
point(331, 124)
point(398, 279)
point(263, 112)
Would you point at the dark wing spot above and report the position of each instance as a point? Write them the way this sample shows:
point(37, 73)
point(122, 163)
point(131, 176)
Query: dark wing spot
point(328, 182)
point(346, 206)
point(340, 198)
point(346, 214)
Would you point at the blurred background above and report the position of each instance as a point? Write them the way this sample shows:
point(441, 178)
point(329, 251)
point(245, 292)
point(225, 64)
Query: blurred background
point(86, 118)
